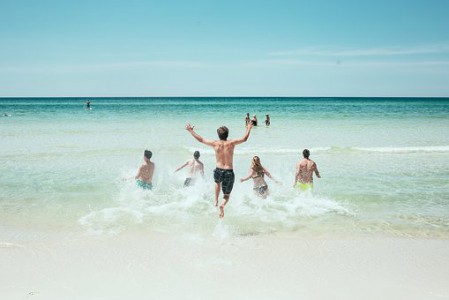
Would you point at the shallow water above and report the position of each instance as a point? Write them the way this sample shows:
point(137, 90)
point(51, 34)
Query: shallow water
point(384, 165)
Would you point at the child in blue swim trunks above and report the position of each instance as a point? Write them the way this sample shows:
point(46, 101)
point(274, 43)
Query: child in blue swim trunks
point(144, 175)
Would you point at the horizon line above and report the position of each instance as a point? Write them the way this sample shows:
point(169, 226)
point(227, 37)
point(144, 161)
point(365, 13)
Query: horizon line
point(86, 97)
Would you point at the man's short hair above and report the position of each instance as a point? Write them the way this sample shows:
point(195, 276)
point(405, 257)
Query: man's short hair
point(148, 154)
point(196, 154)
point(306, 153)
point(223, 133)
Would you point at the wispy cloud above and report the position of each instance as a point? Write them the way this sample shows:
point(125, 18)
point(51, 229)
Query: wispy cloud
point(108, 66)
point(291, 62)
point(233, 66)
point(354, 52)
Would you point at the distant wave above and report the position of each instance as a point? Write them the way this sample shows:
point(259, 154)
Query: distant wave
point(261, 150)
point(404, 149)
point(334, 149)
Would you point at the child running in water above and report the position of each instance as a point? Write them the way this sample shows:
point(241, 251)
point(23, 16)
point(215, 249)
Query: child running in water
point(195, 167)
point(144, 175)
point(257, 173)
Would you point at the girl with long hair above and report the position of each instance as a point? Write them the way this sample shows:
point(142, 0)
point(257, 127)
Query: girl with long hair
point(257, 172)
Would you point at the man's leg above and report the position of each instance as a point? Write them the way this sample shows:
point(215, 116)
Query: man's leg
point(227, 184)
point(225, 200)
point(217, 192)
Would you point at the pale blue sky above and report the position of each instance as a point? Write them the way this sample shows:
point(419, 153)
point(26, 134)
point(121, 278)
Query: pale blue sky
point(224, 48)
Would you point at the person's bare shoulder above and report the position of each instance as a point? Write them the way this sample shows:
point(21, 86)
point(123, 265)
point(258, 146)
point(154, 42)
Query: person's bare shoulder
point(233, 142)
point(312, 164)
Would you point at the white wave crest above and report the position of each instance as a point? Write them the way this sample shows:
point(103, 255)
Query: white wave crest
point(404, 149)
point(174, 208)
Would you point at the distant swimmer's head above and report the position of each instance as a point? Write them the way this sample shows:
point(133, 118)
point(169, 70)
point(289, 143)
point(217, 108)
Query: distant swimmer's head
point(306, 153)
point(148, 154)
point(223, 133)
point(196, 155)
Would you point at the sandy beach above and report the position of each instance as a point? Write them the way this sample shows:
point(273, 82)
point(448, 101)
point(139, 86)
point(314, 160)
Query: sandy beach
point(163, 266)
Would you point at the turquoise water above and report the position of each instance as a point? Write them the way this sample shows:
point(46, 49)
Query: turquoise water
point(384, 165)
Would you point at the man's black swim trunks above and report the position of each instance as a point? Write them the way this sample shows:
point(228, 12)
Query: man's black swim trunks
point(226, 177)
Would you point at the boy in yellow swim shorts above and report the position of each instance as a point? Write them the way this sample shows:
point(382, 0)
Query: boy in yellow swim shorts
point(304, 172)
point(304, 186)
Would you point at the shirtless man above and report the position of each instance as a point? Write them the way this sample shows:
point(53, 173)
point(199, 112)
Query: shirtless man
point(196, 166)
point(304, 172)
point(144, 175)
point(224, 157)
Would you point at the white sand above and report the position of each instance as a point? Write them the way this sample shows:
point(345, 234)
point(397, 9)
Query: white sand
point(162, 266)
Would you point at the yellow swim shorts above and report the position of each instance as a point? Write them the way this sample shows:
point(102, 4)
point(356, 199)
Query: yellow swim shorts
point(304, 186)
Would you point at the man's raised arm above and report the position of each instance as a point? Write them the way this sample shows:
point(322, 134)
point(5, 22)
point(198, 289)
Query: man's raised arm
point(245, 136)
point(200, 139)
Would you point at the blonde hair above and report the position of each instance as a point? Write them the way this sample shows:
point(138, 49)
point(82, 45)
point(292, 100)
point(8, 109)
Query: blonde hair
point(256, 165)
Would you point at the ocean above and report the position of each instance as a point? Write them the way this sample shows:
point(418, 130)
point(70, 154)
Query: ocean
point(384, 165)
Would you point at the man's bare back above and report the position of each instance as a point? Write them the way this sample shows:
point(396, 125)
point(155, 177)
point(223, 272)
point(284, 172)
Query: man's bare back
point(144, 176)
point(195, 167)
point(305, 169)
point(224, 154)
point(145, 172)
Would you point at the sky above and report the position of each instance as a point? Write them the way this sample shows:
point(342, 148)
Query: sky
point(224, 48)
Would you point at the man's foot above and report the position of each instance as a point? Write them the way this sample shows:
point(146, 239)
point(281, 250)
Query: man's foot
point(216, 202)
point(221, 211)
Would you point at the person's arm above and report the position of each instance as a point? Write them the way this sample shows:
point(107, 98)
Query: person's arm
point(152, 172)
point(269, 175)
point(296, 173)
point(186, 163)
point(315, 169)
point(139, 172)
point(245, 137)
point(251, 173)
point(202, 170)
point(266, 172)
point(200, 139)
